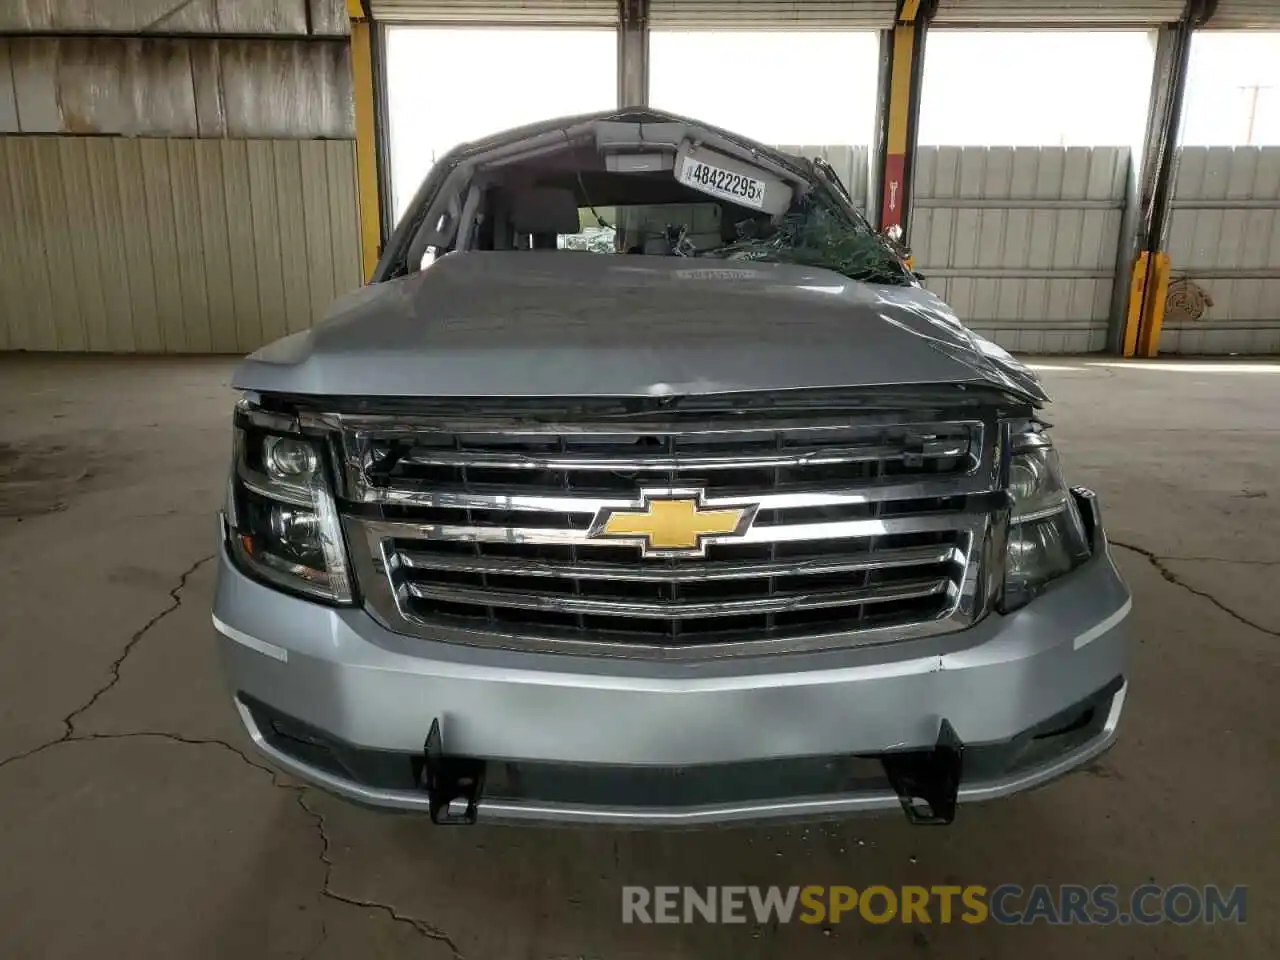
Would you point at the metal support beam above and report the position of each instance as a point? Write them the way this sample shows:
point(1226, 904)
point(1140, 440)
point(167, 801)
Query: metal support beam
point(382, 131)
point(875, 166)
point(633, 53)
point(901, 111)
point(368, 178)
point(1149, 281)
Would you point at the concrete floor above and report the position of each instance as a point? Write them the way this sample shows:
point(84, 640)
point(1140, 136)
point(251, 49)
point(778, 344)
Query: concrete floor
point(136, 822)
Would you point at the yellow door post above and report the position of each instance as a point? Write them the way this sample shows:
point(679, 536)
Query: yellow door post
point(366, 137)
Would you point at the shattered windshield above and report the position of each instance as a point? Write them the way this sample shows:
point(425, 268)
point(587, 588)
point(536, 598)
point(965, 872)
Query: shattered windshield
point(815, 232)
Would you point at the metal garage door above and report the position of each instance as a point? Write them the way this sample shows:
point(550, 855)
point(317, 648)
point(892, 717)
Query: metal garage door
point(952, 12)
point(575, 13)
point(1242, 14)
point(771, 14)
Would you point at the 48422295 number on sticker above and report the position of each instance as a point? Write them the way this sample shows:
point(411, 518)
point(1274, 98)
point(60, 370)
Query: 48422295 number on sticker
point(720, 182)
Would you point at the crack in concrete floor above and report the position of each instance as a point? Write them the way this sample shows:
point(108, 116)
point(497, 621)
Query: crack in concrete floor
point(1157, 562)
point(1252, 563)
point(422, 927)
point(175, 595)
point(70, 735)
point(68, 722)
point(300, 792)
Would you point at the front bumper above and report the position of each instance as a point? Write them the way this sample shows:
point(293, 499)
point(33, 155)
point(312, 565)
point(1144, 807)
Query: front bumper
point(332, 696)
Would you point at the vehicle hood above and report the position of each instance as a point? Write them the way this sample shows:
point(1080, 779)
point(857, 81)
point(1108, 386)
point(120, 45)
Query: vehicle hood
point(568, 324)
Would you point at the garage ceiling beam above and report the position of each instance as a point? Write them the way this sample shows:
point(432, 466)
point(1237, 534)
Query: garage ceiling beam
point(1149, 283)
point(900, 111)
point(366, 85)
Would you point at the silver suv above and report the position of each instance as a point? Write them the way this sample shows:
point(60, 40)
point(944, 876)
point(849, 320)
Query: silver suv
point(646, 485)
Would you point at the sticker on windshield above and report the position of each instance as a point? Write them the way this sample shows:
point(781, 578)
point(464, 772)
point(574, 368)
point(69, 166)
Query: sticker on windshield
point(719, 182)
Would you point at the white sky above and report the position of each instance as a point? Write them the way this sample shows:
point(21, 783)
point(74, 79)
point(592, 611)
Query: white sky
point(1224, 68)
point(449, 85)
point(1041, 88)
point(796, 88)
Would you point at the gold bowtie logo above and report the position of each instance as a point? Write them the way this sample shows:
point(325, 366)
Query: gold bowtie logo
point(676, 523)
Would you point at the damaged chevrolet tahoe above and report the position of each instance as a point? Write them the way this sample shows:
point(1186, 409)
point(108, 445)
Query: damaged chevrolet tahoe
point(645, 484)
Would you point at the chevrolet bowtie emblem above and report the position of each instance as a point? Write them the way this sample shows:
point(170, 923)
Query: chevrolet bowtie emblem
point(673, 523)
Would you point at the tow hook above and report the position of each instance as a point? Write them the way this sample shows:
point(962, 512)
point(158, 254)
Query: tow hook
point(453, 784)
point(927, 782)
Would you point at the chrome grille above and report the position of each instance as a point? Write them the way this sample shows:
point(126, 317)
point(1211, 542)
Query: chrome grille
point(867, 529)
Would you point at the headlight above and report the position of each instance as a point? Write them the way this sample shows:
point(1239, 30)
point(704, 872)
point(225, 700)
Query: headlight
point(1046, 535)
point(287, 458)
point(283, 522)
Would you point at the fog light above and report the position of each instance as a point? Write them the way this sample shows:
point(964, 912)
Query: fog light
point(289, 459)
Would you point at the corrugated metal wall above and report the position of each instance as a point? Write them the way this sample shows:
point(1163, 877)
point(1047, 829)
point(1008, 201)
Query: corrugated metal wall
point(1023, 241)
point(1224, 242)
point(849, 162)
point(174, 246)
point(576, 13)
point(771, 14)
point(206, 230)
point(170, 87)
point(1246, 14)
point(1043, 12)
point(240, 17)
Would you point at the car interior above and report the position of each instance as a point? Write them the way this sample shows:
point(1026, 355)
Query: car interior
point(579, 196)
point(641, 213)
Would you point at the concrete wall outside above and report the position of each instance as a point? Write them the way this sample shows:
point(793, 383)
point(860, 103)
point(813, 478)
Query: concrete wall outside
point(1022, 241)
point(1224, 242)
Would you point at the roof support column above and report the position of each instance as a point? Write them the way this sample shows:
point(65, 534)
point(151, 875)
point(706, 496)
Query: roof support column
point(900, 111)
point(633, 53)
point(1149, 281)
point(365, 84)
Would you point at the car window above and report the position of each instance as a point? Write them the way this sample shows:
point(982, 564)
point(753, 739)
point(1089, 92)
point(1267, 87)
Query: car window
point(646, 228)
point(814, 232)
